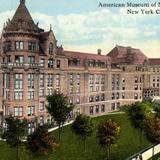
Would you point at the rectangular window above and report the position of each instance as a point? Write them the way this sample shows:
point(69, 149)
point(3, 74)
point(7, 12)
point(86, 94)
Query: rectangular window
point(136, 87)
point(117, 96)
point(42, 62)
point(31, 127)
point(31, 46)
point(18, 81)
point(102, 97)
point(30, 81)
point(91, 88)
point(58, 64)
point(50, 63)
point(78, 80)
point(41, 120)
point(97, 108)
point(113, 95)
point(71, 79)
point(41, 106)
point(78, 89)
point(113, 107)
point(18, 86)
point(41, 92)
point(19, 59)
point(102, 79)
point(18, 111)
point(6, 80)
point(136, 96)
point(91, 99)
point(97, 79)
point(57, 82)
point(19, 45)
point(49, 84)
point(118, 105)
point(91, 78)
point(78, 100)
point(97, 98)
point(18, 95)
point(123, 80)
point(30, 95)
point(91, 110)
point(71, 90)
point(31, 59)
point(123, 95)
point(49, 80)
point(7, 46)
point(136, 79)
point(102, 108)
point(31, 110)
point(41, 80)
point(71, 100)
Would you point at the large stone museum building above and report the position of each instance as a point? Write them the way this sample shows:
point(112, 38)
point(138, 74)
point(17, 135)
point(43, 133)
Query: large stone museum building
point(33, 66)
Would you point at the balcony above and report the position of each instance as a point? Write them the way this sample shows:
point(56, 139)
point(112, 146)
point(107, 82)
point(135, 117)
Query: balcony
point(21, 65)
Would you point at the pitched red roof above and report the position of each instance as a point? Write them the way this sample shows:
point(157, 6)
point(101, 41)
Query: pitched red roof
point(44, 35)
point(154, 61)
point(22, 20)
point(86, 56)
point(128, 55)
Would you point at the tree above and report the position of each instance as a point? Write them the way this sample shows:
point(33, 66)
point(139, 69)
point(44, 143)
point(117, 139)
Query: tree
point(108, 132)
point(156, 108)
point(138, 112)
point(40, 142)
point(59, 109)
point(152, 129)
point(15, 132)
point(83, 127)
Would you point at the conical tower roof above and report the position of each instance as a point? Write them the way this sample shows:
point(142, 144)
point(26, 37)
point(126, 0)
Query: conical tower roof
point(22, 20)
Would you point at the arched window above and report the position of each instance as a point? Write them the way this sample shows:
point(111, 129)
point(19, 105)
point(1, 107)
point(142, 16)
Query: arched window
point(50, 48)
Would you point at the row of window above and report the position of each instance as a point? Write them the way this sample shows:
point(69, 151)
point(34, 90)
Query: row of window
point(117, 96)
point(18, 110)
point(32, 46)
point(31, 61)
point(73, 78)
point(97, 109)
point(96, 79)
point(18, 85)
point(92, 63)
point(97, 98)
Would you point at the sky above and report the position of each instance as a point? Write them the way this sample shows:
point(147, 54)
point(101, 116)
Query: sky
point(81, 25)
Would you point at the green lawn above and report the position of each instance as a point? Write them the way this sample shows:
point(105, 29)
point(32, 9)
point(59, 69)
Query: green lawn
point(71, 148)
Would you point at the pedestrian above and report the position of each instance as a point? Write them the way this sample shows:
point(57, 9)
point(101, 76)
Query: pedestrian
point(140, 157)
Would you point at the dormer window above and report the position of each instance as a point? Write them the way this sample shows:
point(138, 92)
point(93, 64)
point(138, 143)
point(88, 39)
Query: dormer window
point(50, 63)
point(7, 46)
point(50, 48)
point(19, 45)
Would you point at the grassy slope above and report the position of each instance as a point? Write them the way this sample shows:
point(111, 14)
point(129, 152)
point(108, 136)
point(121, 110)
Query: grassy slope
point(71, 148)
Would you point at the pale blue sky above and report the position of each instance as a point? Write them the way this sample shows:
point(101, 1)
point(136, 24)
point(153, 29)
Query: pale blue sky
point(83, 26)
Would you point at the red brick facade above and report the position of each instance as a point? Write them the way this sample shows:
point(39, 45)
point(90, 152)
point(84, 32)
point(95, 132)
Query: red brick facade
point(33, 66)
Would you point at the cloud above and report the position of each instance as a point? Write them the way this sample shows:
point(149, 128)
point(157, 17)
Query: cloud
point(4, 16)
point(103, 29)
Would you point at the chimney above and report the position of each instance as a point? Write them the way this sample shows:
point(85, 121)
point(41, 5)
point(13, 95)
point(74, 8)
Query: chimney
point(99, 51)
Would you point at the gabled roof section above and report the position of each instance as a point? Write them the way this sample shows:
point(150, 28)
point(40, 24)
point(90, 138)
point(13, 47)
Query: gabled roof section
point(86, 56)
point(22, 20)
point(127, 55)
point(154, 61)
